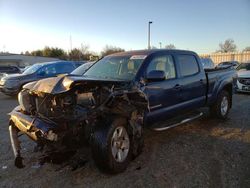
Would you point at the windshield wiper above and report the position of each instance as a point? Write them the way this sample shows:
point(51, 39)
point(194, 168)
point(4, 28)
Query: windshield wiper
point(103, 77)
point(114, 78)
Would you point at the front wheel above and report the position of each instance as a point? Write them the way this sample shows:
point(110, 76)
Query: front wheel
point(111, 146)
point(222, 105)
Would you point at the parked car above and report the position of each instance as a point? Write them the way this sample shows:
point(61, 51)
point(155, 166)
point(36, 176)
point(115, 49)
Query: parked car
point(115, 99)
point(4, 70)
point(82, 69)
point(207, 63)
point(12, 84)
point(24, 68)
point(226, 64)
point(243, 81)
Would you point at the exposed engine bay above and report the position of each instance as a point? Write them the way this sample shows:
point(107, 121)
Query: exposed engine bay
point(59, 112)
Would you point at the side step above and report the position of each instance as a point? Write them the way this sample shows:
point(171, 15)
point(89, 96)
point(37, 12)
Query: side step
point(162, 126)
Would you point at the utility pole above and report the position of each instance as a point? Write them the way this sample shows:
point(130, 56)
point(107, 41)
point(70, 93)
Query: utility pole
point(149, 46)
point(160, 44)
point(82, 52)
point(4, 48)
point(70, 42)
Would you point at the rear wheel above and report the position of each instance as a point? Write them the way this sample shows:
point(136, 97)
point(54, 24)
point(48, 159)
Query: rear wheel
point(111, 146)
point(221, 107)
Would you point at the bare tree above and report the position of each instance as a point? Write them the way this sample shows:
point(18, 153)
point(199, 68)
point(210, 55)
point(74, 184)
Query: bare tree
point(27, 53)
point(75, 54)
point(84, 49)
point(170, 46)
point(227, 46)
point(37, 53)
point(108, 49)
point(53, 52)
point(247, 49)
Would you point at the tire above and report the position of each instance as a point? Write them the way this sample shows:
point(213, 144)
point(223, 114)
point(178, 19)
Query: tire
point(220, 108)
point(105, 142)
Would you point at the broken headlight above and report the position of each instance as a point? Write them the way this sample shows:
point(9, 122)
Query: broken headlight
point(24, 100)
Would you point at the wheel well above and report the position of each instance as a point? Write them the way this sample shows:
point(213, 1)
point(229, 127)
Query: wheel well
point(229, 89)
point(21, 86)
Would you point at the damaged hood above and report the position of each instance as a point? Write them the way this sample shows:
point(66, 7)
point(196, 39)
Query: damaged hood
point(64, 83)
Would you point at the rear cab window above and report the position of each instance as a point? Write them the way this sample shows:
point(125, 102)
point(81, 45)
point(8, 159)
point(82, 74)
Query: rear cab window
point(188, 65)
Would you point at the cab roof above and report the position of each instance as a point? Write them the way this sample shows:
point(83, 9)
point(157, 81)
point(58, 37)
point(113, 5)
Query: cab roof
point(149, 52)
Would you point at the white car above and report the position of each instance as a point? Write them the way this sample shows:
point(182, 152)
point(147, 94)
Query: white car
point(243, 81)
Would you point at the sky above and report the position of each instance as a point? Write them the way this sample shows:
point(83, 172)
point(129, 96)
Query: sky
point(198, 25)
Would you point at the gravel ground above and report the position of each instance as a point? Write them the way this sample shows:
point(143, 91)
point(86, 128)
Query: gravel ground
point(204, 153)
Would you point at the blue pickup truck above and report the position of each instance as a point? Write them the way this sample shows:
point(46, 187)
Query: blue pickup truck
point(116, 98)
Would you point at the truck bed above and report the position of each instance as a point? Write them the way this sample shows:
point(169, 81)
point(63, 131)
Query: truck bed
point(215, 77)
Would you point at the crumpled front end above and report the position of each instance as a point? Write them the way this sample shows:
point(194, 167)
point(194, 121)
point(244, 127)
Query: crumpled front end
point(37, 129)
point(63, 113)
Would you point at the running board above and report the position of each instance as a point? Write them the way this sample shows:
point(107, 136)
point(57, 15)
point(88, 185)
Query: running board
point(168, 126)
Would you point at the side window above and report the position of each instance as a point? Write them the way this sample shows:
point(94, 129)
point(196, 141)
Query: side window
point(64, 68)
point(48, 70)
point(188, 65)
point(164, 63)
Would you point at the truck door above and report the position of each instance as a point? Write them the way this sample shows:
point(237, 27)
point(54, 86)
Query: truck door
point(192, 81)
point(163, 95)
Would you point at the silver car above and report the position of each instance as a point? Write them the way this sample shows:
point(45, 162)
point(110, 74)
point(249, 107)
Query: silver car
point(243, 81)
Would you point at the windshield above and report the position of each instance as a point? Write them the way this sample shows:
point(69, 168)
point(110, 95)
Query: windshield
point(82, 69)
point(116, 67)
point(32, 69)
point(244, 66)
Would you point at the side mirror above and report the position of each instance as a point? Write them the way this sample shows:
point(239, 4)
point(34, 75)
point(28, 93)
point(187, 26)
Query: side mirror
point(155, 75)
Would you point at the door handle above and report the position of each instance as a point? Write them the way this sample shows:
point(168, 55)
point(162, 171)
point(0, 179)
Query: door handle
point(177, 87)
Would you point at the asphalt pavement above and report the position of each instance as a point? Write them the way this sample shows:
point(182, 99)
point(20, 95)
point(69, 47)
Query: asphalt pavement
point(204, 153)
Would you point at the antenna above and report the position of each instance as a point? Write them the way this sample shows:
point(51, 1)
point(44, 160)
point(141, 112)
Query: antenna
point(160, 44)
point(70, 42)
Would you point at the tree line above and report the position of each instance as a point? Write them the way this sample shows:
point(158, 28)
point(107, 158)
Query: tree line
point(224, 47)
point(83, 52)
point(76, 54)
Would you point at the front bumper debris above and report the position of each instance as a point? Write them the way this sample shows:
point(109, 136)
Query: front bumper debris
point(15, 143)
point(36, 128)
